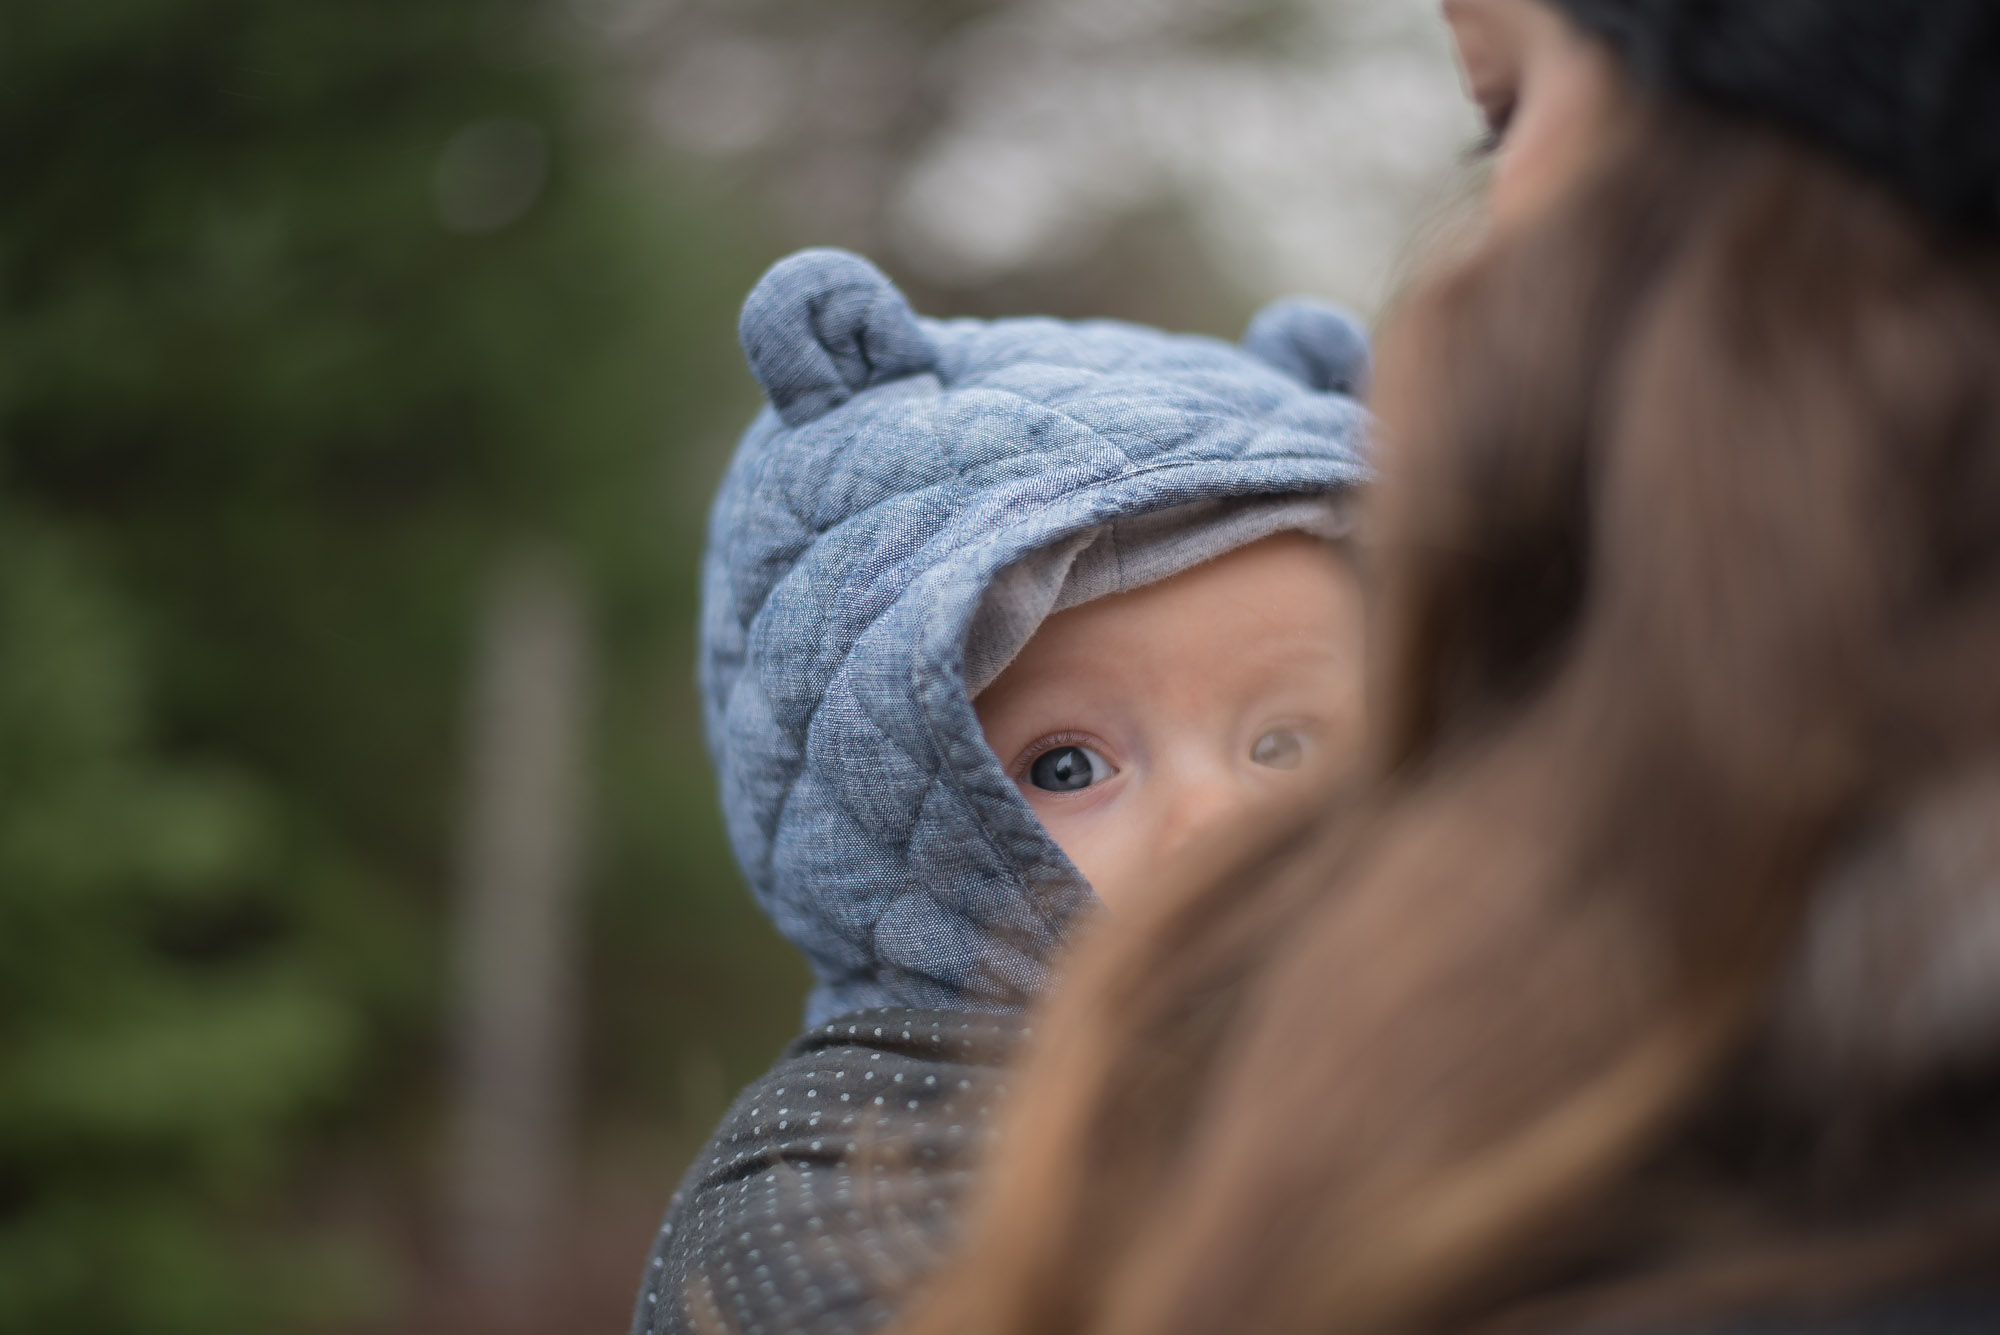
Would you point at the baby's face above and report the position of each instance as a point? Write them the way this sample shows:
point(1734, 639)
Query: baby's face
point(1139, 724)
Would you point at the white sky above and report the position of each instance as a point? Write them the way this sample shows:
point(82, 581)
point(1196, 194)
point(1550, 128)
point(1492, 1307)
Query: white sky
point(1307, 168)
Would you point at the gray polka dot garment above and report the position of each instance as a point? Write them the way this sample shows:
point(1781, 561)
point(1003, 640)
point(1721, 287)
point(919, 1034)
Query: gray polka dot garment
point(832, 1183)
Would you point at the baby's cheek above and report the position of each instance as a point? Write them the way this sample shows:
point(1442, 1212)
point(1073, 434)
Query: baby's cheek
point(1115, 858)
point(1070, 834)
point(1080, 838)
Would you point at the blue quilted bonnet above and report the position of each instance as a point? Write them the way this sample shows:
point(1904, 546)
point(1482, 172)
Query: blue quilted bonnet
point(903, 463)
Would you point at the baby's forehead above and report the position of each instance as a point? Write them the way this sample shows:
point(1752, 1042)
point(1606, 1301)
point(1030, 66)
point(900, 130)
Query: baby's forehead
point(1283, 604)
point(1277, 580)
point(1237, 552)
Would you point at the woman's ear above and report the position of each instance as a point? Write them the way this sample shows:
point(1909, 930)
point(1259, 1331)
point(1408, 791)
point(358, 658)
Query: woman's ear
point(1314, 343)
point(822, 326)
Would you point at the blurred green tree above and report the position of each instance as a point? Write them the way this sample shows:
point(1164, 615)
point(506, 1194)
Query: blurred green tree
point(308, 312)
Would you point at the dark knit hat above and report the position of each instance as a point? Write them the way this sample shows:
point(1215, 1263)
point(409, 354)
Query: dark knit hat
point(1906, 90)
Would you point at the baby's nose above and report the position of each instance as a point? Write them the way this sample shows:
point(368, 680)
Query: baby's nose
point(1201, 807)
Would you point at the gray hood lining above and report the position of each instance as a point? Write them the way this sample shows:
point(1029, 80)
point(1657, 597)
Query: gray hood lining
point(1127, 554)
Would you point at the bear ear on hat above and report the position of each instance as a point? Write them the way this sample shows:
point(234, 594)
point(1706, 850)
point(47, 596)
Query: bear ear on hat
point(822, 326)
point(1316, 344)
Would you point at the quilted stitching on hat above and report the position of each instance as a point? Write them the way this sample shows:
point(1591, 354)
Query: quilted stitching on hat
point(852, 549)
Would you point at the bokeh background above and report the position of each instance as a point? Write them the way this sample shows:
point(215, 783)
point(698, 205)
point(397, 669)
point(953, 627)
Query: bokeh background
point(370, 956)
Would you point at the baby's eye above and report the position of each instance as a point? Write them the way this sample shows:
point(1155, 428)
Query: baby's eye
point(1068, 769)
point(1280, 748)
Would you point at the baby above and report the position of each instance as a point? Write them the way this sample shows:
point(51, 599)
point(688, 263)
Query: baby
point(999, 619)
point(1143, 723)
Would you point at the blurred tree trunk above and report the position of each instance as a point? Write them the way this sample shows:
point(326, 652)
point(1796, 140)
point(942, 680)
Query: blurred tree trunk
point(518, 927)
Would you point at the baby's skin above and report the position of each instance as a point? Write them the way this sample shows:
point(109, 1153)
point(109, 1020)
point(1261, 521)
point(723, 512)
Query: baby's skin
point(1140, 725)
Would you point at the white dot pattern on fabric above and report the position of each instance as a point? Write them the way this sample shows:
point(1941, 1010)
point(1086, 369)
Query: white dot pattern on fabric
point(772, 1231)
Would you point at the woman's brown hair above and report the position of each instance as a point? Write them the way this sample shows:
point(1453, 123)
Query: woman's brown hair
point(1686, 563)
